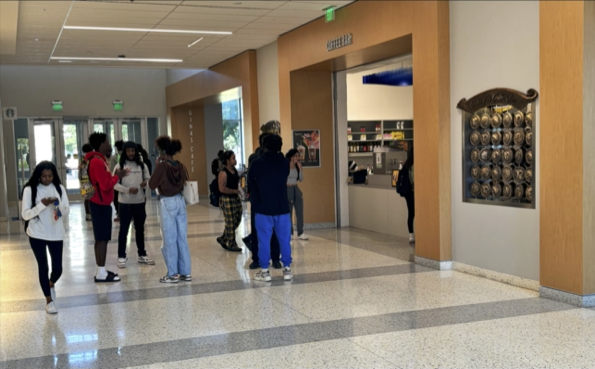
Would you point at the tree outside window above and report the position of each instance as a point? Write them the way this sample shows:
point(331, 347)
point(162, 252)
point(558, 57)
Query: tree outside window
point(232, 128)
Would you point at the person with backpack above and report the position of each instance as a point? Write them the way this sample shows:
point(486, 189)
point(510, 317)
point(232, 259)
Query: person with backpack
point(169, 178)
point(214, 186)
point(45, 203)
point(103, 182)
point(230, 202)
point(132, 202)
point(405, 188)
point(86, 149)
point(113, 160)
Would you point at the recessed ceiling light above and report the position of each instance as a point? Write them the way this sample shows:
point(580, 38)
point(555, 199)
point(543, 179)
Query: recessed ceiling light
point(159, 30)
point(195, 42)
point(36, 39)
point(65, 61)
point(119, 59)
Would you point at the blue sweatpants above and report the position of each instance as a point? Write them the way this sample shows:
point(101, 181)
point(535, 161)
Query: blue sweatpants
point(264, 229)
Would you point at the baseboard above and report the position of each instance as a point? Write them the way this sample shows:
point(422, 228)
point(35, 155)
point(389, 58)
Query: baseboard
point(312, 226)
point(513, 280)
point(567, 297)
point(434, 264)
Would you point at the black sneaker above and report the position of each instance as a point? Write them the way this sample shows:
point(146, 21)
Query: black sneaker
point(254, 265)
point(277, 264)
point(220, 242)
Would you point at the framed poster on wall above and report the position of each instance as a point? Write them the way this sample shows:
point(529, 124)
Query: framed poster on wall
point(307, 143)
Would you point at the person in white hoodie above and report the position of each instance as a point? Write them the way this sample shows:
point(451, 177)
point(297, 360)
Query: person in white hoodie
point(131, 199)
point(45, 203)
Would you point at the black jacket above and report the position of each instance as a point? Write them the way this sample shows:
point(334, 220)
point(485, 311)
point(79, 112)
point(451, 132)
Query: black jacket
point(268, 184)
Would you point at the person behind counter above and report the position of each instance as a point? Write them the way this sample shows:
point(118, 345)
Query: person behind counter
point(294, 194)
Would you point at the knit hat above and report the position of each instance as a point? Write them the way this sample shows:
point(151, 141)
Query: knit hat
point(129, 145)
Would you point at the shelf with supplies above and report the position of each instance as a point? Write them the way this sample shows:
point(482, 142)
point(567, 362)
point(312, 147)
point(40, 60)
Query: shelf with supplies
point(366, 136)
point(360, 154)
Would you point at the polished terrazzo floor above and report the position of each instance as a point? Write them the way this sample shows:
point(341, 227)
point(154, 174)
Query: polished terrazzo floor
point(356, 301)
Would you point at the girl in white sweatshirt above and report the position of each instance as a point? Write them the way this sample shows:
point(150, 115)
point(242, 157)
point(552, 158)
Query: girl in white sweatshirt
point(45, 203)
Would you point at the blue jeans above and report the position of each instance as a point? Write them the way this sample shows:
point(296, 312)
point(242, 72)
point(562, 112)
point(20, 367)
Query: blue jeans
point(265, 224)
point(174, 230)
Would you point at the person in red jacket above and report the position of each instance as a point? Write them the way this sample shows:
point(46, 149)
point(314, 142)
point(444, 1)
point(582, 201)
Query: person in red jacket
point(101, 208)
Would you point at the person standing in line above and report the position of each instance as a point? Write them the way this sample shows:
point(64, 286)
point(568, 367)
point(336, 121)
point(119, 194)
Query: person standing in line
point(132, 203)
point(268, 179)
point(251, 240)
point(113, 161)
point(101, 202)
point(294, 194)
point(45, 202)
point(405, 188)
point(169, 178)
point(86, 149)
point(229, 202)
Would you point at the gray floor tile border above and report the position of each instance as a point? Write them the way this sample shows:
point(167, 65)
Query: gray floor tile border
point(236, 342)
point(187, 289)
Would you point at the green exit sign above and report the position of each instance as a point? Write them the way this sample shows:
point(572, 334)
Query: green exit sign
point(330, 14)
point(118, 107)
point(57, 105)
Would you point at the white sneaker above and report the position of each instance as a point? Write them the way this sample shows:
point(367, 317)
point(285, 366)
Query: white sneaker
point(303, 237)
point(145, 260)
point(50, 308)
point(88, 217)
point(53, 293)
point(287, 276)
point(122, 262)
point(411, 239)
point(264, 276)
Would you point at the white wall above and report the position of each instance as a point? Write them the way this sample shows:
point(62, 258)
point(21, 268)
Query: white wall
point(213, 135)
point(493, 44)
point(377, 102)
point(176, 75)
point(267, 69)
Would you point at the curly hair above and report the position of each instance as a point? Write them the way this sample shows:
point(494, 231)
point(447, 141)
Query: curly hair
point(168, 145)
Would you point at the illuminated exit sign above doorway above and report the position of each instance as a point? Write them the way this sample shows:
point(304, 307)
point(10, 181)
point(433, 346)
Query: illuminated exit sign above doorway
point(330, 14)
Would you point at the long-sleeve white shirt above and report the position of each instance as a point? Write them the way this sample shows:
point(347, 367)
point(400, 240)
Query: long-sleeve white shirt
point(134, 179)
point(42, 224)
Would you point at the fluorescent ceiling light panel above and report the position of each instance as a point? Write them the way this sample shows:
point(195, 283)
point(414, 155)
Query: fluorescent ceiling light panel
point(120, 59)
point(195, 42)
point(159, 30)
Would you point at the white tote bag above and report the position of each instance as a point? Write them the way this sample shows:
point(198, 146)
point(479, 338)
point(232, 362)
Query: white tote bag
point(190, 192)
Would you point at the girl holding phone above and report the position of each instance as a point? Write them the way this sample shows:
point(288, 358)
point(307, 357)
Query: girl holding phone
point(45, 203)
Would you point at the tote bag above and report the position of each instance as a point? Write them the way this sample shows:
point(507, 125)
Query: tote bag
point(190, 192)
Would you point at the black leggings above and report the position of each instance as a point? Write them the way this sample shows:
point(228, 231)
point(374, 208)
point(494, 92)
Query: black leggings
point(410, 211)
point(39, 249)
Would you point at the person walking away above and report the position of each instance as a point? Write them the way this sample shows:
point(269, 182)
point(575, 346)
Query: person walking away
point(268, 179)
point(169, 178)
point(229, 202)
point(251, 240)
point(86, 149)
point(132, 203)
point(45, 202)
point(101, 202)
point(405, 188)
point(113, 161)
point(294, 194)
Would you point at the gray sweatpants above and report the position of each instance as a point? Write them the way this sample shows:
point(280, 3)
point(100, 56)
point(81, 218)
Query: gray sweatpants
point(296, 200)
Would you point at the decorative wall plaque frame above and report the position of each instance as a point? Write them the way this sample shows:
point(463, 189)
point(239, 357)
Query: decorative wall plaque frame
point(501, 170)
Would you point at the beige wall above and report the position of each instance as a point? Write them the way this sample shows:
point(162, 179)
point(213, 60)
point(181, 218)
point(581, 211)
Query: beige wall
point(268, 83)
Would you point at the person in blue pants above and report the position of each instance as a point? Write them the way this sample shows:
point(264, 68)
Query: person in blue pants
point(268, 182)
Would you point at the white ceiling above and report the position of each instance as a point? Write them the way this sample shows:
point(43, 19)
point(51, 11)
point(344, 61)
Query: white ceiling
point(253, 23)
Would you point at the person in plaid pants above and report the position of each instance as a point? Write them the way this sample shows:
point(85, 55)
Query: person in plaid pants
point(228, 180)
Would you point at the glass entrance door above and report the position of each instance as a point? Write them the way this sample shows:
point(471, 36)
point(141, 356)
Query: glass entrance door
point(74, 136)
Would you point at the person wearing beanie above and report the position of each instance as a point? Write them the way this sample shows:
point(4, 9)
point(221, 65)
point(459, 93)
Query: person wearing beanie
point(132, 202)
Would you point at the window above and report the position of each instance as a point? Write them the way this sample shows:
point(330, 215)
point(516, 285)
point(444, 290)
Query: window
point(232, 128)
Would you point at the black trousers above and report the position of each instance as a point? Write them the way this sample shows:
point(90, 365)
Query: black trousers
point(87, 207)
point(275, 248)
point(129, 213)
point(39, 250)
point(410, 211)
point(116, 204)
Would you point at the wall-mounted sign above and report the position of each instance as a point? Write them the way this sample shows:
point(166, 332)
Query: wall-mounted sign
point(307, 143)
point(9, 113)
point(118, 105)
point(57, 105)
point(339, 42)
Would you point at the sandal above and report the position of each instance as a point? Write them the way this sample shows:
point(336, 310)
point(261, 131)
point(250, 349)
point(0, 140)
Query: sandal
point(111, 277)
